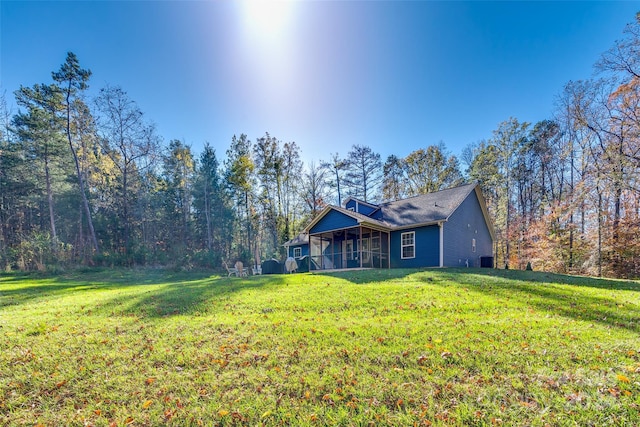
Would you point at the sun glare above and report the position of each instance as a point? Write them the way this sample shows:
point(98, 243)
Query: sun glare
point(267, 18)
point(269, 54)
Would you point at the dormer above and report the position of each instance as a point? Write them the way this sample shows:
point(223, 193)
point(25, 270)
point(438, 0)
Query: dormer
point(359, 206)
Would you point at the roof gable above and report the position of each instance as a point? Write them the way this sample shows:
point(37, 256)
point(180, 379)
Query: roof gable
point(332, 218)
point(485, 211)
point(340, 218)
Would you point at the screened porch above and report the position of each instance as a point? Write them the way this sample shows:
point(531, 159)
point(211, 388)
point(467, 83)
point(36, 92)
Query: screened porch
point(356, 247)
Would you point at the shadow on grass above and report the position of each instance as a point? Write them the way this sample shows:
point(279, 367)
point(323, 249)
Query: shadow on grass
point(160, 293)
point(185, 297)
point(144, 293)
point(366, 276)
point(580, 298)
point(553, 278)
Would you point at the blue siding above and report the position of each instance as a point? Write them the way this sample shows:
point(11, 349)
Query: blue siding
point(305, 249)
point(465, 224)
point(333, 220)
point(360, 207)
point(427, 240)
point(351, 204)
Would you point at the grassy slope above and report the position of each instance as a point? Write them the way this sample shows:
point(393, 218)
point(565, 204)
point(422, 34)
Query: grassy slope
point(398, 347)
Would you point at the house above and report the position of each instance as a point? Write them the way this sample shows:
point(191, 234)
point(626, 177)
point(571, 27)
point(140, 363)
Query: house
point(448, 228)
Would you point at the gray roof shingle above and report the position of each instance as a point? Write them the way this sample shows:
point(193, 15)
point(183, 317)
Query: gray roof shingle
point(423, 209)
point(300, 239)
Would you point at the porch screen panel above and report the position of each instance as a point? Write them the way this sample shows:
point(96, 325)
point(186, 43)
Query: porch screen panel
point(315, 253)
point(384, 250)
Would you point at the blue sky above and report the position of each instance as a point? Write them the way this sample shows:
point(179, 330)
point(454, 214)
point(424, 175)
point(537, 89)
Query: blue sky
point(396, 76)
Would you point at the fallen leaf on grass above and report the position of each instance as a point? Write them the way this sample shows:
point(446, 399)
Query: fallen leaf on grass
point(527, 404)
point(146, 404)
point(223, 412)
point(623, 378)
point(168, 414)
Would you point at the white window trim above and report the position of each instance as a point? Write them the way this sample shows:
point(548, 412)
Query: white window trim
point(473, 245)
point(297, 251)
point(402, 245)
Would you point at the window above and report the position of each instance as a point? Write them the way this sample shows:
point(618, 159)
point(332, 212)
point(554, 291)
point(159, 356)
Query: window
point(473, 245)
point(297, 252)
point(408, 245)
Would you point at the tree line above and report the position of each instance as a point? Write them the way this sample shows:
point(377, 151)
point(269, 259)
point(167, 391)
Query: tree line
point(90, 181)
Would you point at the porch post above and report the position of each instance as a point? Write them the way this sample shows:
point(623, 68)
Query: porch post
point(310, 255)
point(360, 244)
point(333, 247)
point(440, 225)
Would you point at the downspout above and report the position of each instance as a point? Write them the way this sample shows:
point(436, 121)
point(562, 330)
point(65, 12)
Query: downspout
point(441, 226)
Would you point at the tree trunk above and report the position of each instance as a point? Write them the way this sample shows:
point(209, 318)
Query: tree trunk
point(599, 233)
point(207, 214)
point(248, 212)
point(571, 216)
point(85, 202)
point(52, 220)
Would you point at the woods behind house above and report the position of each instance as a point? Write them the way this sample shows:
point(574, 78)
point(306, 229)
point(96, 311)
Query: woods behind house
point(88, 180)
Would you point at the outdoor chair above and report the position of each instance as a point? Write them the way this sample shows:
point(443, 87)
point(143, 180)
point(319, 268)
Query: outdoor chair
point(231, 270)
point(240, 270)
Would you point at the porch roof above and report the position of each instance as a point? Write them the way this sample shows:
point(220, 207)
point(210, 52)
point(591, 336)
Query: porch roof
point(300, 239)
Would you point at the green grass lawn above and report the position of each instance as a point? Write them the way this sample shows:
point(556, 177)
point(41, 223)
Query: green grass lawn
point(379, 347)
